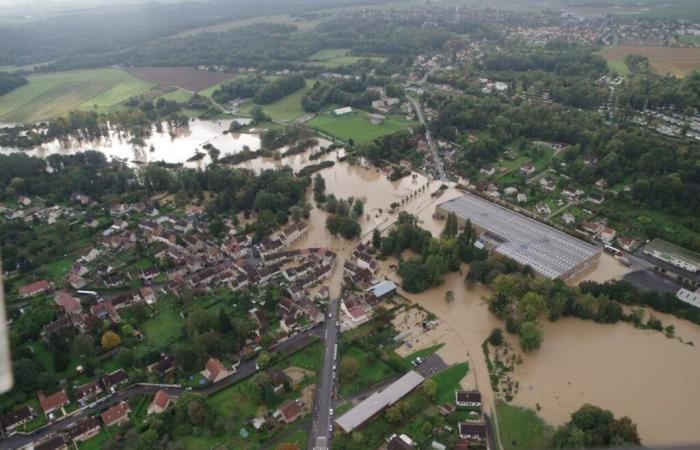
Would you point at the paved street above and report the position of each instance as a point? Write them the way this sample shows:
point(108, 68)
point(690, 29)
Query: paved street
point(245, 369)
point(429, 138)
point(322, 424)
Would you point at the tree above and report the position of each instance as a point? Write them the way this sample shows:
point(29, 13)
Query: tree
point(430, 389)
point(148, 439)
point(496, 337)
point(376, 239)
point(451, 226)
point(109, 340)
point(591, 426)
point(225, 325)
point(395, 413)
point(263, 359)
point(349, 368)
point(449, 296)
point(530, 336)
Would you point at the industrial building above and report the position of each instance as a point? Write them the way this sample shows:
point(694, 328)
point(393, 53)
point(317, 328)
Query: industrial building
point(550, 252)
point(673, 254)
point(377, 402)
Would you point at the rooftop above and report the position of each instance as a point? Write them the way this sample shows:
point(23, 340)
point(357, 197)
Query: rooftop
point(548, 251)
point(379, 400)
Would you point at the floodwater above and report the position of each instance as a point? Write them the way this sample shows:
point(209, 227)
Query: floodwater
point(172, 145)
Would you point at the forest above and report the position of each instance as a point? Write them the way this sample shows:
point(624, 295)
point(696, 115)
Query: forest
point(9, 82)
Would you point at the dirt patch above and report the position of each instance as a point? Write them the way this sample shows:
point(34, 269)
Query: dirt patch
point(297, 374)
point(182, 77)
point(410, 323)
point(307, 395)
point(674, 60)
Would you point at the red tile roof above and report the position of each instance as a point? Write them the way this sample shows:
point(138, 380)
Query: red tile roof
point(161, 399)
point(214, 367)
point(53, 401)
point(34, 288)
point(115, 413)
point(290, 411)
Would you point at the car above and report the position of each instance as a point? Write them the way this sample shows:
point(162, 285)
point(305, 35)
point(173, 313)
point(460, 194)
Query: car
point(330, 428)
point(331, 411)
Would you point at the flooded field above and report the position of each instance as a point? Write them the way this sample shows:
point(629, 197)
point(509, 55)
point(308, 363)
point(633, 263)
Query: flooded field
point(172, 145)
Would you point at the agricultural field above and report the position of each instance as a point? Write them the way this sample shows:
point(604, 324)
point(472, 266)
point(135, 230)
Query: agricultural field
point(186, 78)
point(287, 108)
point(301, 23)
point(51, 95)
point(673, 60)
point(356, 126)
point(336, 57)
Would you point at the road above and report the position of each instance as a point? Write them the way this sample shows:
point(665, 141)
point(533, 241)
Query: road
point(429, 138)
point(244, 370)
point(322, 423)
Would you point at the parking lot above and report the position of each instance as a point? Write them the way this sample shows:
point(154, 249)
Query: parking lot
point(431, 365)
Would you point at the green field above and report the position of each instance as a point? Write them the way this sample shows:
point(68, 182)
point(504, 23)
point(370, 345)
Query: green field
point(356, 126)
point(310, 358)
point(521, 428)
point(164, 328)
point(287, 108)
point(51, 95)
point(372, 371)
point(336, 57)
point(619, 67)
point(178, 95)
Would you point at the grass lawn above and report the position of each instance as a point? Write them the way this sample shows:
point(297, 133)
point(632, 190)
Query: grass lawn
point(96, 442)
point(178, 95)
point(372, 371)
point(521, 428)
point(58, 269)
point(53, 94)
point(164, 328)
point(448, 380)
point(619, 67)
point(310, 358)
point(356, 126)
point(336, 57)
point(423, 353)
point(235, 401)
point(44, 356)
point(299, 438)
point(287, 108)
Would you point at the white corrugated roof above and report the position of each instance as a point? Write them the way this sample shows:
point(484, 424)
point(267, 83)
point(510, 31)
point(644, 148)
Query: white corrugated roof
point(379, 400)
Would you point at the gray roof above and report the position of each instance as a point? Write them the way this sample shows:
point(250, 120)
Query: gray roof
point(383, 287)
point(379, 400)
point(547, 250)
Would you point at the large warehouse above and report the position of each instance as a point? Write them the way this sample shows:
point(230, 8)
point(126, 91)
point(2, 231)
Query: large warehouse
point(548, 251)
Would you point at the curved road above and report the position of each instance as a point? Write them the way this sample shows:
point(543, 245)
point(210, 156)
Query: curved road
point(244, 370)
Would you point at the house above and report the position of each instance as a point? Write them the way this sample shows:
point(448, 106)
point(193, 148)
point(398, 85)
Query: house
point(162, 367)
point(17, 418)
point(70, 304)
point(547, 183)
point(115, 379)
point(543, 209)
point(148, 295)
point(358, 315)
point(289, 412)
point(590, 160)
point(341, 111)
point(468, 399)
point(376, 119)
point(488, 170)
point(595, 197)
point(38, 287)
point(568, 219)
point(56, 325)
point(84, 430)
point(589, 227)
point(571, 192)
point(116, 415)
point(58, 442)
point(87, 392)
point(472, 431)
point(160, 403)
point(383, 289)
point(607, 235)
point(402, 442)
point(76, 281)
point(89, 255)
point(53, 402)
point(627, 243)
point(521, 198)
point(214, 370)
point(527, 169)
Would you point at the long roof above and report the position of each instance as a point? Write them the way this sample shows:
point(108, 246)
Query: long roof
point(547, 250)
point(379, 400)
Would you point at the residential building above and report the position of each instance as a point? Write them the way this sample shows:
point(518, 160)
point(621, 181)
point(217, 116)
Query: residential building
point(87, 392)
point(290, 412)
point(15, 419)
point(84, 430)
point(160, 403)
point(472, 431)
point(214, 370)
point(38, 287)
point(57, 442)
point(341, 111)
point(115, 379)
point(53, 402)
point(468, 399)
point(402, 442)
point(116, 415)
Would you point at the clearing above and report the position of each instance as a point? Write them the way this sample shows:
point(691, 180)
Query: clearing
point(287, 108)
point(183, 77)
point(356, 126)
point(51, 95)
point(674, 60)
point(301, 23)
point(336, 57)
point(521, 428)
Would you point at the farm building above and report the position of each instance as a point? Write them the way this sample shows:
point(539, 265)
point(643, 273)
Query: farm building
point(341, 111)
point(549, 252)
